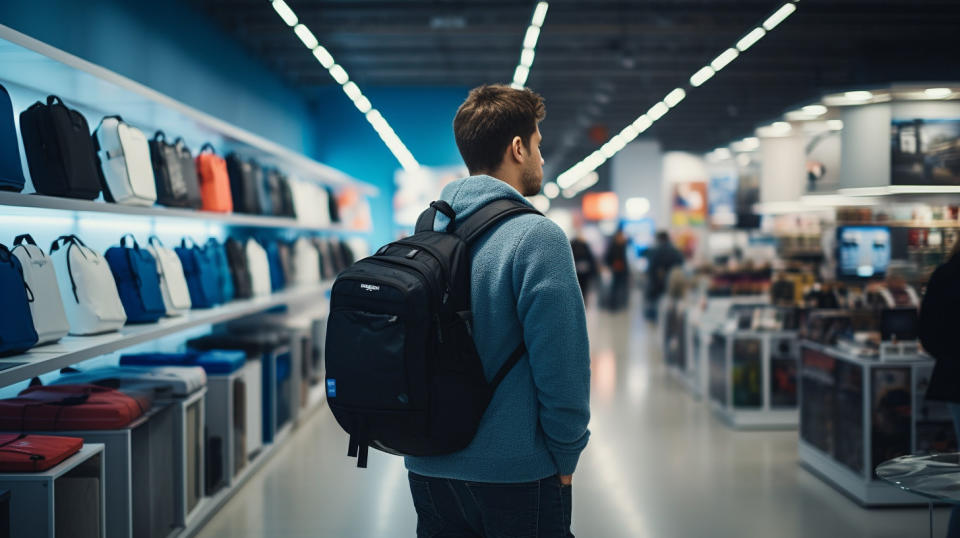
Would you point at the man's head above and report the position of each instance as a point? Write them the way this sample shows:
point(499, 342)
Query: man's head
point(498, 134)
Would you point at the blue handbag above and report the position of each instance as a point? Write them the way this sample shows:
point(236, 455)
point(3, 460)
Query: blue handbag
point(201, 274)
point(224, 278)
point(277, 280)
point(138, 281)
point(216, 362)
point(11, 172)
point(17, 333)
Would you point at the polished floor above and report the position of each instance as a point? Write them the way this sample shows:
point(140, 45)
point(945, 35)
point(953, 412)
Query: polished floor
point(658, 465)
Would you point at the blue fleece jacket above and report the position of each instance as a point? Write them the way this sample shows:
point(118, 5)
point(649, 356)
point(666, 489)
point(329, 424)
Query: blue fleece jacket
point(523, 284)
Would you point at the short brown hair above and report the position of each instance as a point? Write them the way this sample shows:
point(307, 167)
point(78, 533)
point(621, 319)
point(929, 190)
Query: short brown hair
point(489, 119)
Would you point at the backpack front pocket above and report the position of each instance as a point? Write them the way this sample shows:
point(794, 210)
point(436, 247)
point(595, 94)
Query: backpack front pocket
point(365, 360)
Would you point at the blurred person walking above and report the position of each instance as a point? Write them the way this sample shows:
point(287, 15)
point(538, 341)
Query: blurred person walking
point(661, 258)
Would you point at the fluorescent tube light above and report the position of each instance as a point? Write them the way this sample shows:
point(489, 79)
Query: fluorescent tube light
point(362, 104)
point(306, 36)
point(540, 14)
point(521, 74)
point(629, 133)
point(530, 40)
point(751, 39)
point(673, 98)
point(642, 123)
point(657, 111)
point(527, 56)
point(724, 59)
point(339, 74)
point(779, 16)
point(551, 190)
point(323, 56)
point(938, 93)
point(704, 74)
point(352, 91)
point(285, 12)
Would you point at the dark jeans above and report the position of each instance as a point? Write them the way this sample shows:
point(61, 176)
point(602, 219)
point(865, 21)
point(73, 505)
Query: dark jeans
point(455, 508)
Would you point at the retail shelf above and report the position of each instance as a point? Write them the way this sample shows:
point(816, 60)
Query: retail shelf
point(13, 199)
point(904, 223)
point(73, 349)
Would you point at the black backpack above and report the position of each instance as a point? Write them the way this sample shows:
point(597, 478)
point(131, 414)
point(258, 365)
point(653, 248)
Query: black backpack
point(188, 170)
point(237, 258)
point(402, 371)
point(172, 188)
point(243, 184)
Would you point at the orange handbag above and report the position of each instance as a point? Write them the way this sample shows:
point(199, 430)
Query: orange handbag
point(214, 181)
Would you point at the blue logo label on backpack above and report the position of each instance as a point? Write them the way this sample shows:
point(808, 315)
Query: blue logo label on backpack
point(331, 388)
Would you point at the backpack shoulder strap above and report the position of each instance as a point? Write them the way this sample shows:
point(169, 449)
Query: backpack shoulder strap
point(507, 366)
point(425, 221)
point(491, 214)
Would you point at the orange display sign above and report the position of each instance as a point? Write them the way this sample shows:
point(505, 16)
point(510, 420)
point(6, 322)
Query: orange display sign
point(601, 205)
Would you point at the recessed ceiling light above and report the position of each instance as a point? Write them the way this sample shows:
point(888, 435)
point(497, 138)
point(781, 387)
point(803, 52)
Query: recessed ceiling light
point(938, 93)
point(815, 110)
point(858, 96)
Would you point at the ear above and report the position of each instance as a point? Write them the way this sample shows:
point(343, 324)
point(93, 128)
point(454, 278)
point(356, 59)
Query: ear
point(517, 151)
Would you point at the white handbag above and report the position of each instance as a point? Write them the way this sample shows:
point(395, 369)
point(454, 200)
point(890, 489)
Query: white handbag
point(49, 317)
point(173, 283)
point(87, 287)
point(259, 267)
point(311, 203)
point(124, 155)
point(306, 263)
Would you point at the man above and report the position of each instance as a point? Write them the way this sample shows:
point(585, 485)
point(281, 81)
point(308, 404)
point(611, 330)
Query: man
point(616, 260)
point(661, 258)
point(584, 262)
point(514, 479)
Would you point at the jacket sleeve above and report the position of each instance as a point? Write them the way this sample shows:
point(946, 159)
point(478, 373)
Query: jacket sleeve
point(550, 308)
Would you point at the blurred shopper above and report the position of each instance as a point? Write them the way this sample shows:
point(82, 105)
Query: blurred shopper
point(515, 478)
point(939, 320)
point(584, 262)
point(616, 261)
point(661, 258)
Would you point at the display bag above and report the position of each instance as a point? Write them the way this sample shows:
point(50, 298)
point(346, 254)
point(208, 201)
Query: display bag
point(126, 171)
point(60, 153)
point(49, 316)
point(277, 278)
point(87, 287)
point(17, 333)
point(332, 204)
point(214, 181)
point(259, 267)
point(267, 194)
point(239, 268)
point(306, 263)
point(172, 188)
point(22, 453)
point(11, 173)
point(287, 207)
point(162, 381)
point(72, 408)
point(138, 281)
point(243, 185)
point(214, 362)
point(188, 169)
point(200, 274)
point(173, 284)
point(224, 278)
point(285, 253)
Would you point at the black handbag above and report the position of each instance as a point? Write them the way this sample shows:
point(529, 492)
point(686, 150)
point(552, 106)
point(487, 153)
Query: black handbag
point(188, 170)
point(287, 208)
point(243, 185)
point(272, 187)
point(11, 173)
point(237, 258)
point(332, 203)
point(60, 152)
point(168, 172)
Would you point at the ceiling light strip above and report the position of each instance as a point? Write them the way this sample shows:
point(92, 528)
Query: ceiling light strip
point(672, 99)
point(353, 92)
point(530, 39)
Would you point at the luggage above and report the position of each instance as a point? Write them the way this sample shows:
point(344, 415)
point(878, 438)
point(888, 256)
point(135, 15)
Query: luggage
point(71, 408)
point(49, 317)
point(35, 453)
point(239, 268)
point(11, 173)
point(277, 278)
point(87, 288)
point(224, 278)
point(214, 362)
point(17, 333)
point(172, 190)
point(403, 373)
point(200, 271)
point(306, 263)
point(173, 284)
point(126, 172)
point(214, 181)
point(244, 185)
point(259, 267)
point(188, 169)
point(163, 381)
point(60, 153)
point(138, 281)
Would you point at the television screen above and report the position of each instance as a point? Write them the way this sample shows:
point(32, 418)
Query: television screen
point(862, 251)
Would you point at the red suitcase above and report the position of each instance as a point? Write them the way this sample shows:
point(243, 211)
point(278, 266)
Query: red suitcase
point(34, 453)
point(71, 408)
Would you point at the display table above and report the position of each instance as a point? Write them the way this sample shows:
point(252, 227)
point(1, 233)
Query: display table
point(856, 412)
point(753, 378)
point(936, 478)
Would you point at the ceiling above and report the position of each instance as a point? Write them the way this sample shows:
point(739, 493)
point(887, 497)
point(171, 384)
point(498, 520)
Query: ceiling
point(602, 63)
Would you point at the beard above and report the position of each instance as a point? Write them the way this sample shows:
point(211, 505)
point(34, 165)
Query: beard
point(531, 181)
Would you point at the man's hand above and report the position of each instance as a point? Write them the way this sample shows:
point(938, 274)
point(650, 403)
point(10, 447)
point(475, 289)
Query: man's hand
point(566, 479)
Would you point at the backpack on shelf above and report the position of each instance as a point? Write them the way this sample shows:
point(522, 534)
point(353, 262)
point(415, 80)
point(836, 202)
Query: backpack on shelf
point(60, 153)
point(172, 190)
point(22, 453)
point(138, 281)
point(271, 198)
point(277, 279)
point(259, 267)
point(126, 171)
point(332, 205)
point(402, 371)
point(200, 273)
point(17, 333)
point(188, 169)
point(287, 207)
point(173, 285)
point(214, 181)
point(72, 408)
point(11, 173)
point(49, 316)
point(306, 263)
point(244, 187)
point(224, 279)
point(87, 287)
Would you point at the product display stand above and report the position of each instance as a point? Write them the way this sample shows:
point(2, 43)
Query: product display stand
point(225, 420)
point(67, 500)
point(856, 413)
point(189, 415)
point(753, 378)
